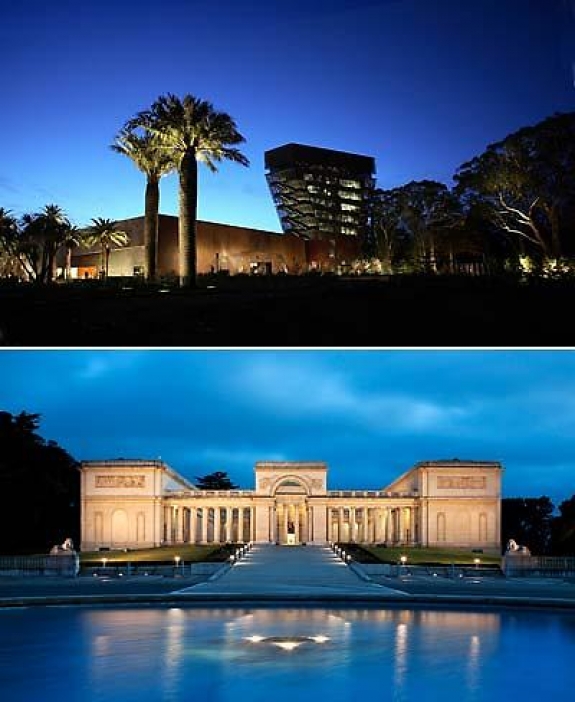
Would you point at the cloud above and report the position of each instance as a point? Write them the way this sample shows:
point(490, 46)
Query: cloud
point(290, 389)
point(99, 364)
point(9, 185)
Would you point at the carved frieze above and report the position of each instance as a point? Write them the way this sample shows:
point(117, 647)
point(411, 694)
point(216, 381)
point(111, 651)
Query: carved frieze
point(461, 482)
point(120, 481)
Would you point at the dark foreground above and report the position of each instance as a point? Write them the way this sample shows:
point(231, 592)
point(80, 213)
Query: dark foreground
point(293, 312)
point(487, 590)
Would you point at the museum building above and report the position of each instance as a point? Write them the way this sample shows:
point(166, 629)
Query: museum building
point(322, 197)
point(141, 504)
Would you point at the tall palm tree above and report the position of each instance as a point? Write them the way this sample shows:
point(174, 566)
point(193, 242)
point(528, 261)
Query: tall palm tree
point(146, 153)
point(104, 233)
point(190, 130)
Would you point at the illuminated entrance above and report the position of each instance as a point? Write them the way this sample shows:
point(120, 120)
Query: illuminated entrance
point(292, 513)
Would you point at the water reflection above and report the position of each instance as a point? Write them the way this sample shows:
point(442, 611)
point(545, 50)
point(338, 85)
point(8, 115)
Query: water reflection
point(224, 654)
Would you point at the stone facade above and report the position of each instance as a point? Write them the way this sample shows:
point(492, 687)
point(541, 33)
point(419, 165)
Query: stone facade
point(139, 504)
point(220, 247)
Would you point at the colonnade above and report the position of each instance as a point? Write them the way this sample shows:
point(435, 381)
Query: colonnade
point(372, 525)
point(291, 522)
point(203, 525)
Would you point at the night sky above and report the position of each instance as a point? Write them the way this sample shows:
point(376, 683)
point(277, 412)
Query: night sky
point(422, 85)
point(370, 415)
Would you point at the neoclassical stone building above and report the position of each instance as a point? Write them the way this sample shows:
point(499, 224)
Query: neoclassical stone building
point(139, 504)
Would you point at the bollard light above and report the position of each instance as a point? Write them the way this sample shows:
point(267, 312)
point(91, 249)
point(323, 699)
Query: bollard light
point(104, 561)
point(403, 560)
point(477, 561)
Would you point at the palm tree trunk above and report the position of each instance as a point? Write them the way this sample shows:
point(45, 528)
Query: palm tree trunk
point(152, 206)
point(68, 266)
point(103, 264)
point(188, 202)
point(107, 261)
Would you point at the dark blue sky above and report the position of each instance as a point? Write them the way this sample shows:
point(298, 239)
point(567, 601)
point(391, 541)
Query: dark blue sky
point(422, 85)
point(370, 414)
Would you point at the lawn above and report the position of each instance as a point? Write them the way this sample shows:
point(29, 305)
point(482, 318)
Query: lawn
point(432, 556)
point(188, 553)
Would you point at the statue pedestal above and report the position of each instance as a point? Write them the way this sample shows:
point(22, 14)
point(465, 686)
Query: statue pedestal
point(291, 540)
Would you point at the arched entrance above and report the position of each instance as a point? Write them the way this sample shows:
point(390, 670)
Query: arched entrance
point(291, 510)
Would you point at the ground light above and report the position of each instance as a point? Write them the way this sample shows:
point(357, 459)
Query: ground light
point(287, 643)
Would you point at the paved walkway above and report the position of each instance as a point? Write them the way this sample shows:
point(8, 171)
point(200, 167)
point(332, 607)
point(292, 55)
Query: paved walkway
point(285, 570)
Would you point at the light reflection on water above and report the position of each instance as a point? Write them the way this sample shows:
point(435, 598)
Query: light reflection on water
point(144, 654)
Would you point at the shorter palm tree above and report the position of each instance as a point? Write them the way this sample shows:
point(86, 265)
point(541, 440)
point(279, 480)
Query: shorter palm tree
point(147, 154)
point(43, 234)
point(73, 238)
point(104, 233)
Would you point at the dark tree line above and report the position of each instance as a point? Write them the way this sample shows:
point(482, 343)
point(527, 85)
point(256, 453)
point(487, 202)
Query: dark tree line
point(511, 210)
point(531, 522)
point(40, 488)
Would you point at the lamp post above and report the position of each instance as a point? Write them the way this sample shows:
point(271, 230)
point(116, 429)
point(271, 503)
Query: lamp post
point(477, 561)
point(177, 560)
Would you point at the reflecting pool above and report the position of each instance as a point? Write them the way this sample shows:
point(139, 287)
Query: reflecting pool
point(173, 653)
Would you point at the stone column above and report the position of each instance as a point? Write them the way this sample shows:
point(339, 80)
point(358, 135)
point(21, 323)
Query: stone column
point(205, 525)
point(169, 524)
point(228, 527)
point(192, 537)
point(283, 534)
point(377, 516)
point(274, 524)
point(217, 524)
point(352, 525)
point(297, 523)
point(180, 525)
point(340, 521)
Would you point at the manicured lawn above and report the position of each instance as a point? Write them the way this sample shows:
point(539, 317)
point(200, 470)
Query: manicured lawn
point(432, 556)
point(187, 552)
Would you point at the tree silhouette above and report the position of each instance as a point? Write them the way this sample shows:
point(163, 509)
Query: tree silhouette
point(39, 488)
point(215, 481)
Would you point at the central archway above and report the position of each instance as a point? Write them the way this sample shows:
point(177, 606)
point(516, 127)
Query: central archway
point(291, 509)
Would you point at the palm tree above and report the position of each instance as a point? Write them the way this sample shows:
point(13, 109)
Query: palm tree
point(9, 242)
point(190, 130)
point(73, 238)
point(104, 233)
point(154, 162)
point(43, 235)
